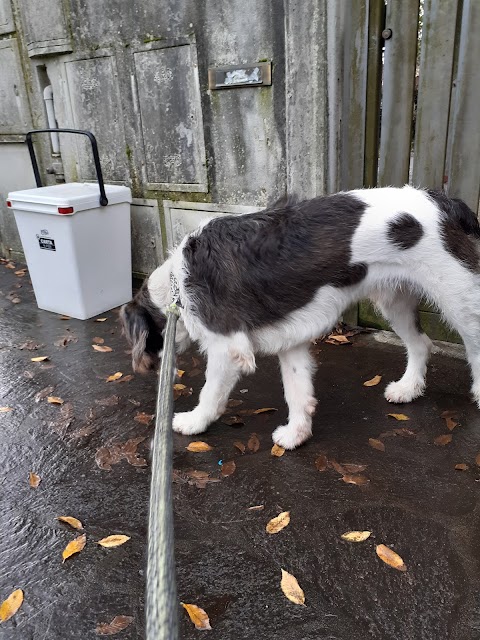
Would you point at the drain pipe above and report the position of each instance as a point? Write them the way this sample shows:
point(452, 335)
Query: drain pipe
point(52, 122)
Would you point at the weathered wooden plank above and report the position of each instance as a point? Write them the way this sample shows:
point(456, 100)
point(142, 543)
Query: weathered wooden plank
point(436, 67)
point(398, 88)
point(463, 165)
point(376, 16)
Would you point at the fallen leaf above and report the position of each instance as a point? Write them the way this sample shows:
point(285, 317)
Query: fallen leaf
point(198, 447)
point(119, 623)
point(264, 410)
point(61, 423)
point(102, 348)
point(337, 339)
point(30, 345)
point(34, 480)
point(65, 340)
point(5, 409)
point(125, 378)
point(115, 376)
point(113, 454)
point(65, 318)
point(257, 507)
point(278, 523)
point(195, 362)
point(75, 546)
point(444, 439)
point(461, 467)
point(449, 413)
point(181, 390)
point(277, 451)
point(111, 401)
point(399, 416)
point(402, 431)
point(201, 475)
point(390, 557)
point(113, 541)
point(100, 319)
point(232, 420)
point(144, 418)
point(376, 444)
point(451, 423)
point(15, 300)
point(198, 616)
point(54, 400)
point(73, 522)
point(321, 462)
point(179, 387)
point(350, 467)
point(194, 373)
point(10, 265)
point(98, 340)
point(239, 445)
point(228, 468)
point(477, 460)
point(41, 395)
point(39, 359)
point(373, 382)
point(11, 605)
point(356, 536)
point(180, 373)
point(253, 443)
point(20, 272)
point(291, 588)
point(355, 479)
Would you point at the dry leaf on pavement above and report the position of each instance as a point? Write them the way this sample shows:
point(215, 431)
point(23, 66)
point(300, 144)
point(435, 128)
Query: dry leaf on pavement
point(144, 418)
point(119, 623)
point(399, 416)
point(180, 373)
point(198, 447)
point(100, 319)
point(461, 467)
point(321, 462)
point(6, 409)
point(115, 376)
point(278, 523)
point(444, 439)
point(451, 423)
point(376, 444)
point(277, 451)
point(34, 480)
point(334, 338)
point(355, 479)
point(356, 536)
point(198, 616)
point(390, 557)
point(373, 382)
point(228, 468)
point(232, 420)
point(75, 546)
point(253, 443)
point(113, 541)
point(98, 340)
point(73, 522)
point(54, 400)
point(232, 403)
point(102, 348)
point(477, 459)
point(11, 605)
point(39, 359)
point(291, 588)
point(239, 445)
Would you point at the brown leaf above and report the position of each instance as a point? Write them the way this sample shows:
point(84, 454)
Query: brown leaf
point(30, 345)
point(335, 338)
point(65, 340)
point(350, 467)
point(399, 416)
point(115, 376)
point(373, 382)
point(180, 373)
point(100, 319)
point(119, 623)
point(73, 522)
point(390, 557)
point(232, 420)
point(195, 362)
point(444, 439)
point(111, 401)
point(321, 462)
point(34, 480)
point(198, 616)
point(11, 605)
point(194, 373)
point(355, 479)
point(41, 395)
point(450, 413)
point(451, 423)
point(257, 507)
point(113, 541)
point(264, 410)
point(199, 447)
point(39, 359)
point(253, 443)
point(199, 475)
point(461, 467)
point(232, 403)
point(477, 460)
point(239, 445)
point(277, 451)
point(98, 340)
point(10, 265)
point(102, 348)
point(6, 409)
point(376, 444)
point(54, 400)
point(144, 418)
point(278, 523)
point(356, 536)
point(65, 317)
point(20, 272)
point(75, 546)
point(291, 588)
point(113, 454)
point(181, 390)
point(228, 468)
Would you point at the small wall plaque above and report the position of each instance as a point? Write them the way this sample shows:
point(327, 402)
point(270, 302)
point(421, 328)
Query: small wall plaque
point(252, 75)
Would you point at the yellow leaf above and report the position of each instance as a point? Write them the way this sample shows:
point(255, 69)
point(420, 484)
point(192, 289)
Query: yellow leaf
point(73, 522)
point(179, 387)
point(113, 541)
point(180, 373)
point(5, 409)
point(100, 319)
point(198, 447)
point(277, 451)
point(11, 605)
point(373, 382)
point(278, 523)
point(34, 480)
point(198, 616)
point(54, 400)
point(338, 338)
point(356, 536)
point(102, 348)
point(291, 588)
point(390, 557)
point(75, 546)
point(39, 359)
point(115, 376)
point(399, 416)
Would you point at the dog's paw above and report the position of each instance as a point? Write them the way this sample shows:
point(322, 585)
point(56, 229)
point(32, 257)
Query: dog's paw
point(399, 392)
point(311, 406)
point(291, 436)
point(189, 423)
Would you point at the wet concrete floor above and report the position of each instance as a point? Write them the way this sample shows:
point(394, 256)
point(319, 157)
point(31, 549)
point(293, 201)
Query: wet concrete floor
point(92, 456)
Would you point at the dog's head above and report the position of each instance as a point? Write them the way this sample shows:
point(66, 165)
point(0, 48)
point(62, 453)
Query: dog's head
point(143, 324)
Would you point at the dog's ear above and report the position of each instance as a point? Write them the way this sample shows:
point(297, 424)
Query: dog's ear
point(143, 324)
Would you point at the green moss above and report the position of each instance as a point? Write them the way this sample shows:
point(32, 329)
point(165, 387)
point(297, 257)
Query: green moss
point(128, 151)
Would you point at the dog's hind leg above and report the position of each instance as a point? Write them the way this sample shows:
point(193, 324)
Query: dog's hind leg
point(399, 307)
point(227, 359)
point(297, 374)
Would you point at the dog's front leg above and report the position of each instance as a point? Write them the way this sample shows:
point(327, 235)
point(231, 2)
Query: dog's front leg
point(227, 359)
point(297, 374)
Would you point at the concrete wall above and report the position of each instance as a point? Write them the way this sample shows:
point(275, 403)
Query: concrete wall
point(135, 74)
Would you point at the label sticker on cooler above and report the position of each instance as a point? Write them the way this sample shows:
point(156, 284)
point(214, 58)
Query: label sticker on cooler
point(47, 243)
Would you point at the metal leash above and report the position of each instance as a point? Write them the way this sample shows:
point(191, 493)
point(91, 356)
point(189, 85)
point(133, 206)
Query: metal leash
point(161, 601)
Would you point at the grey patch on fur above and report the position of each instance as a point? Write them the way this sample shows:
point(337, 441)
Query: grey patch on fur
point(249, 271)
point(405, 231)
point(143, 324)
point(459, 229)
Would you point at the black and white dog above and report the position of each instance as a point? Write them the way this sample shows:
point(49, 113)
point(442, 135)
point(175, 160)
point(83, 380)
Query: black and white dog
point(272, 281)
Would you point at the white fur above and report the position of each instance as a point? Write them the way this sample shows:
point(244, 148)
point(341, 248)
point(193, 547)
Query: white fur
point(396, 280)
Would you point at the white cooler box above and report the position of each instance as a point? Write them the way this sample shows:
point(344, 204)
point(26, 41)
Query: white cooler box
point(78, 253)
